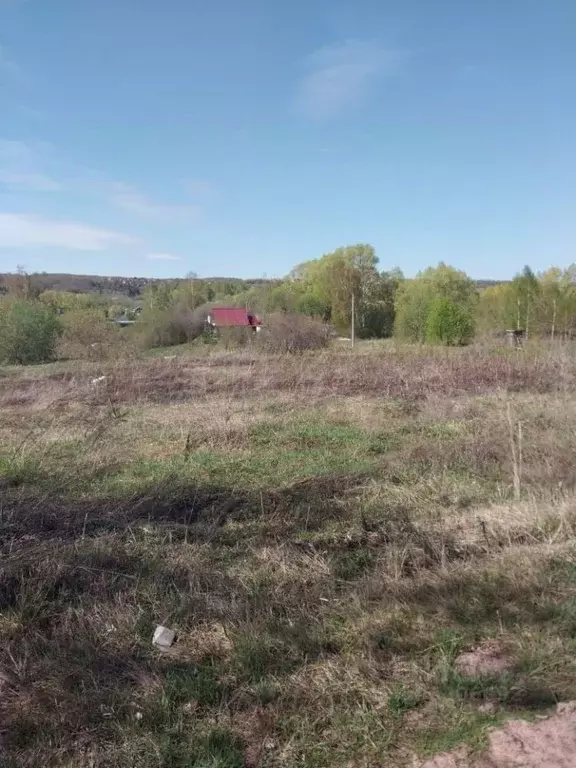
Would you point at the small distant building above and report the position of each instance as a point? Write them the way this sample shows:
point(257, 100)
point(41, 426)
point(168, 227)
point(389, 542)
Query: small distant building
point(233, 317)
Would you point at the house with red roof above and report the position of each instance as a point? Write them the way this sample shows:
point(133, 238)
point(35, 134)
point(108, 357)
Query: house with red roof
point(233, 317)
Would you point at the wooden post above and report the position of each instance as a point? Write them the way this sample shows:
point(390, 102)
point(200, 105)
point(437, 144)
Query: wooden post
point(353, 321)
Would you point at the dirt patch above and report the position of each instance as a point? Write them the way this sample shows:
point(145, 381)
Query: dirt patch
point(456, 759)
point(550, 743)
point(487, 660)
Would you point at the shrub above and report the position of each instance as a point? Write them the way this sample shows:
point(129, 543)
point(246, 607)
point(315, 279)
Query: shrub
point(231, 338)
point(88, 335)
point(449, 323)
point(412, 306)
point(175, 325)
point(290, 333)
point(416, 297)
point(29, 332)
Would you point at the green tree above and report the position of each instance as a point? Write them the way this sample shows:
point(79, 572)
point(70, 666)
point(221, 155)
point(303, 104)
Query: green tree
point(526, 289)
point(29, 332)
point(412, 305)
point(554, 304)
point(313, 306)
point(284, 297)
point(496, 310)
point(449, 323)
point(415, 298)
point(336, 277)
point(567, 302)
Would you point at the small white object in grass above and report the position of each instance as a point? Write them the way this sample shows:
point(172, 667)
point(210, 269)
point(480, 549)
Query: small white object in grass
point(138, 715)
point(99, 380)
point(163, 637)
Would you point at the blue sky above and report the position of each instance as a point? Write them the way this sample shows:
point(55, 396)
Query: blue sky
point(140, 137)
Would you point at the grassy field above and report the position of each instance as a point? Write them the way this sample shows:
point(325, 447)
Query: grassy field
point(325, 533)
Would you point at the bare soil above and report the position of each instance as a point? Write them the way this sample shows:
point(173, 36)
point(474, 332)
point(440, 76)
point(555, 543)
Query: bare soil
point(487, 660)
point(549, 743)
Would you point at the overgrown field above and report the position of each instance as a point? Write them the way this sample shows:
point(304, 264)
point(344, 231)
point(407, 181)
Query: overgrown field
point(325, 533)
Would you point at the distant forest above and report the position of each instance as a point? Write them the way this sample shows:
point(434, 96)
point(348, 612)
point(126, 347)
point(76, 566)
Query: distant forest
point(134, 287)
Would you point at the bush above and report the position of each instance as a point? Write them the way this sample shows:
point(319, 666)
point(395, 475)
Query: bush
point(232, 338)
point(412, 307)
point(29, 332)
point(414, 303)
point(289, 333)
point(88, 335)
point(175, 325)
point(449, 323)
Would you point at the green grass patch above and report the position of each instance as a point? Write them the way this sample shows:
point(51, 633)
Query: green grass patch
point(402, 700)
point(193, 683)
point(353, 564)
point(219, 749)
point(468, 727)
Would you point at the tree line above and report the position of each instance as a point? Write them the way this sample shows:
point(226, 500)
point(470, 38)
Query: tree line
point(440, 305)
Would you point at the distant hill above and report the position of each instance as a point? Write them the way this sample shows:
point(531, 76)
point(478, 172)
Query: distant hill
point(113, 286)
point(134, 286)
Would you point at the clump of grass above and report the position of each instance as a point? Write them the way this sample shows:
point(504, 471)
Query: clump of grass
point(470, 728)
point(196, 684)
point(402, 700)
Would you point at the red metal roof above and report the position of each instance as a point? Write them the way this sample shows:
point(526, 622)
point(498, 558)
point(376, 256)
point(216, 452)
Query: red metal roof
point(232, 316)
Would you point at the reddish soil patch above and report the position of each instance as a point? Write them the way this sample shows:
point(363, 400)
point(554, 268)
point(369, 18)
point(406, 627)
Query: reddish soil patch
point(488, 660)
point(456, 759)
point(550, 743)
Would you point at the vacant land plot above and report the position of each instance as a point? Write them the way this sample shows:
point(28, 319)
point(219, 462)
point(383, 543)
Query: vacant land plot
point(367, 557)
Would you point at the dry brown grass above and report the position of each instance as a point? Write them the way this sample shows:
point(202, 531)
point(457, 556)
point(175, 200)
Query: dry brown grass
point(410, 375)
point(325, 534)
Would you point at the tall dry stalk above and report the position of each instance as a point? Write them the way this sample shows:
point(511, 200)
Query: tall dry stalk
point(516, 452)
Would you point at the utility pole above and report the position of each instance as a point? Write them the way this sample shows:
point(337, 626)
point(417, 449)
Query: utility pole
point(353, 321)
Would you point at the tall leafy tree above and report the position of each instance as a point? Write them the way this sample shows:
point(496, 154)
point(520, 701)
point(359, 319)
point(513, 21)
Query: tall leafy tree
point(449, 323)
point(526, 289)
point(496, 310)
point(416, 297)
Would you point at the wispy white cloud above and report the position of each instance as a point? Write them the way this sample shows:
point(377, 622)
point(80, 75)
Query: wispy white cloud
point(14, 151)
point(133, 201)
point(23, 230)
point(32, 182)
point(340, 76)
point(22, 166)
point(38, 166)
point(163, 257)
